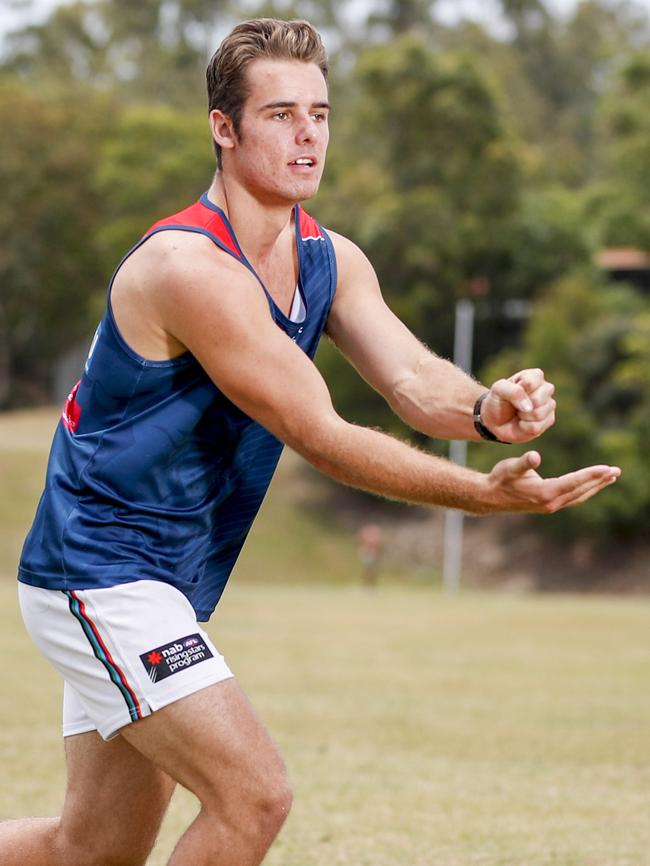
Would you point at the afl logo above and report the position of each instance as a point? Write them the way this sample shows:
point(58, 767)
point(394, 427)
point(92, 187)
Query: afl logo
point(191, 641)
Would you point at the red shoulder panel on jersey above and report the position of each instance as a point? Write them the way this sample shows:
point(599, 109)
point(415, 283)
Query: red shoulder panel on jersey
point(309, 228)
point(199, 216)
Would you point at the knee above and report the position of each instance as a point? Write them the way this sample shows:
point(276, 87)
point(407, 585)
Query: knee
point(261, 808)
point(275, 804)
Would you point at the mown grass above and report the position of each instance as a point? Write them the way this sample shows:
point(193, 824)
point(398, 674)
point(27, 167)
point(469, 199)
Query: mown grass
point(419, 730)
point(24, 444)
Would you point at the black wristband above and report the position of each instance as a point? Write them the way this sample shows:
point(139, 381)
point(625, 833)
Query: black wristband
point(479, 426)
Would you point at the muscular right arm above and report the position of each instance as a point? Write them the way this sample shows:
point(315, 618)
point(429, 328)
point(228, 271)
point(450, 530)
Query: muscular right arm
point(216, 309)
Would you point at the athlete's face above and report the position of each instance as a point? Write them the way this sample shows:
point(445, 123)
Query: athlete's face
point(279, 154)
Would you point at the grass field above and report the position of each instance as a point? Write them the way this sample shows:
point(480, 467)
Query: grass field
point(419, 730)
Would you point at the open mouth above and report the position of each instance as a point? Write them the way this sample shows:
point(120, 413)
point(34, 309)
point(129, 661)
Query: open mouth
point(308, 161)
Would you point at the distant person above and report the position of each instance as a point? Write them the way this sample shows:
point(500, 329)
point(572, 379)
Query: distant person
point(199, 371)
point(370, 544)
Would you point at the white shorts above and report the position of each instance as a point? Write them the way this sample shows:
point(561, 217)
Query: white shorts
point(124, 651)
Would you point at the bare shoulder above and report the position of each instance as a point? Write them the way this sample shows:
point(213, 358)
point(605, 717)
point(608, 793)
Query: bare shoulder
point(356, 275)
point(348, 254)
point(173, 279)
point(172, 269)
point(170, 257)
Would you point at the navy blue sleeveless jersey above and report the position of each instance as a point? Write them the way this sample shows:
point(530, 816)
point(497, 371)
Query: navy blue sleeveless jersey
point(154, 473)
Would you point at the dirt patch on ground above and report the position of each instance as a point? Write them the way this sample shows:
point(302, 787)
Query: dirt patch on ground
point(507, 550)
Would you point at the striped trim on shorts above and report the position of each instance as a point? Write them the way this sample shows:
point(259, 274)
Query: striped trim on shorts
point(124, 651)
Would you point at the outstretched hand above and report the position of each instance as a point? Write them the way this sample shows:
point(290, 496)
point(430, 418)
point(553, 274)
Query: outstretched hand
point(520, 408)
point(518, 486)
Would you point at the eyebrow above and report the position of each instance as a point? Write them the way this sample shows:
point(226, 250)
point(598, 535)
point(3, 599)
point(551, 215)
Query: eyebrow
point(284, 104)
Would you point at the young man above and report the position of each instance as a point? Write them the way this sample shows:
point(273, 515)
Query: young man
point(200, 369)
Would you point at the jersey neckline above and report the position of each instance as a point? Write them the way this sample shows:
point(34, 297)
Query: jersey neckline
point(276, 311)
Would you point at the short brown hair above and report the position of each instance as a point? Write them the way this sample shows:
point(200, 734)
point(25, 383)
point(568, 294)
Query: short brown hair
point(259, 38)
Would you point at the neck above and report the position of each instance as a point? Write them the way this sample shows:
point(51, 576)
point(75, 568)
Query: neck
point(258, 225)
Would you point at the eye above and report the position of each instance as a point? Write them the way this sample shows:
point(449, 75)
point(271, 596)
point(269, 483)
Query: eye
point(281, 115)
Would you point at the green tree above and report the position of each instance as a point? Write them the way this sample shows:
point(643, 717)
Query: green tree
point(49, 217)
point(150, 50)
point(620, 199)
point(553, 73)
point(592, 340)
point(398, 17)
point(152, 162)
point(424, 176)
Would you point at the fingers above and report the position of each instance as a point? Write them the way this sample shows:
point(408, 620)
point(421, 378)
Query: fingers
point(540, 393)
point(520, 408)
point(513, 393)
point(534, 423)
point(577, 487)
point(530, 380)
point(526, 384)
point(520, 488)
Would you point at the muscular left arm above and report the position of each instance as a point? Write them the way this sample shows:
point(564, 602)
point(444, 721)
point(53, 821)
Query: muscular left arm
point(427, 392)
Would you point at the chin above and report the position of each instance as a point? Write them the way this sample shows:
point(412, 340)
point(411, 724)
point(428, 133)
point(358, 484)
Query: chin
point(307, 190)
point(289, 196)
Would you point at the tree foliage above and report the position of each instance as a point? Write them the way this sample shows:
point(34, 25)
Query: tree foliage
point(425, 175)
point(49, 219)
point(464, 163)
point(593, 341)
point(152, 161)
point(150, 50)
point(430, 193)
point(620, 196)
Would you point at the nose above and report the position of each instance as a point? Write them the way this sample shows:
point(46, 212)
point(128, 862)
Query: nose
point(307, 130)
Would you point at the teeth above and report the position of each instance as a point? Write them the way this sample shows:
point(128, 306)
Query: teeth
point(303, 162)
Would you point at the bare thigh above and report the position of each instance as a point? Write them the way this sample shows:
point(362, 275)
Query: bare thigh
point(115, 799)
point(213, 744)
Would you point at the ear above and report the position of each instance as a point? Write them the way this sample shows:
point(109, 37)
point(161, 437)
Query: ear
point(222, 129)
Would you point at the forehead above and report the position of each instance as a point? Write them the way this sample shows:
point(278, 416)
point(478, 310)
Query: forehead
point(286, 80)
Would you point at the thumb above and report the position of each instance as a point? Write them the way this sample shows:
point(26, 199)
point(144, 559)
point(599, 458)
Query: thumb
point(513, 393)
point(512, 468)
point(529, 460)
point(518, 466)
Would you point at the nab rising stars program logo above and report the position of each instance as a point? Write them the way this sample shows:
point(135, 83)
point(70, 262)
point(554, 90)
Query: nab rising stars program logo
point(171, 658)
